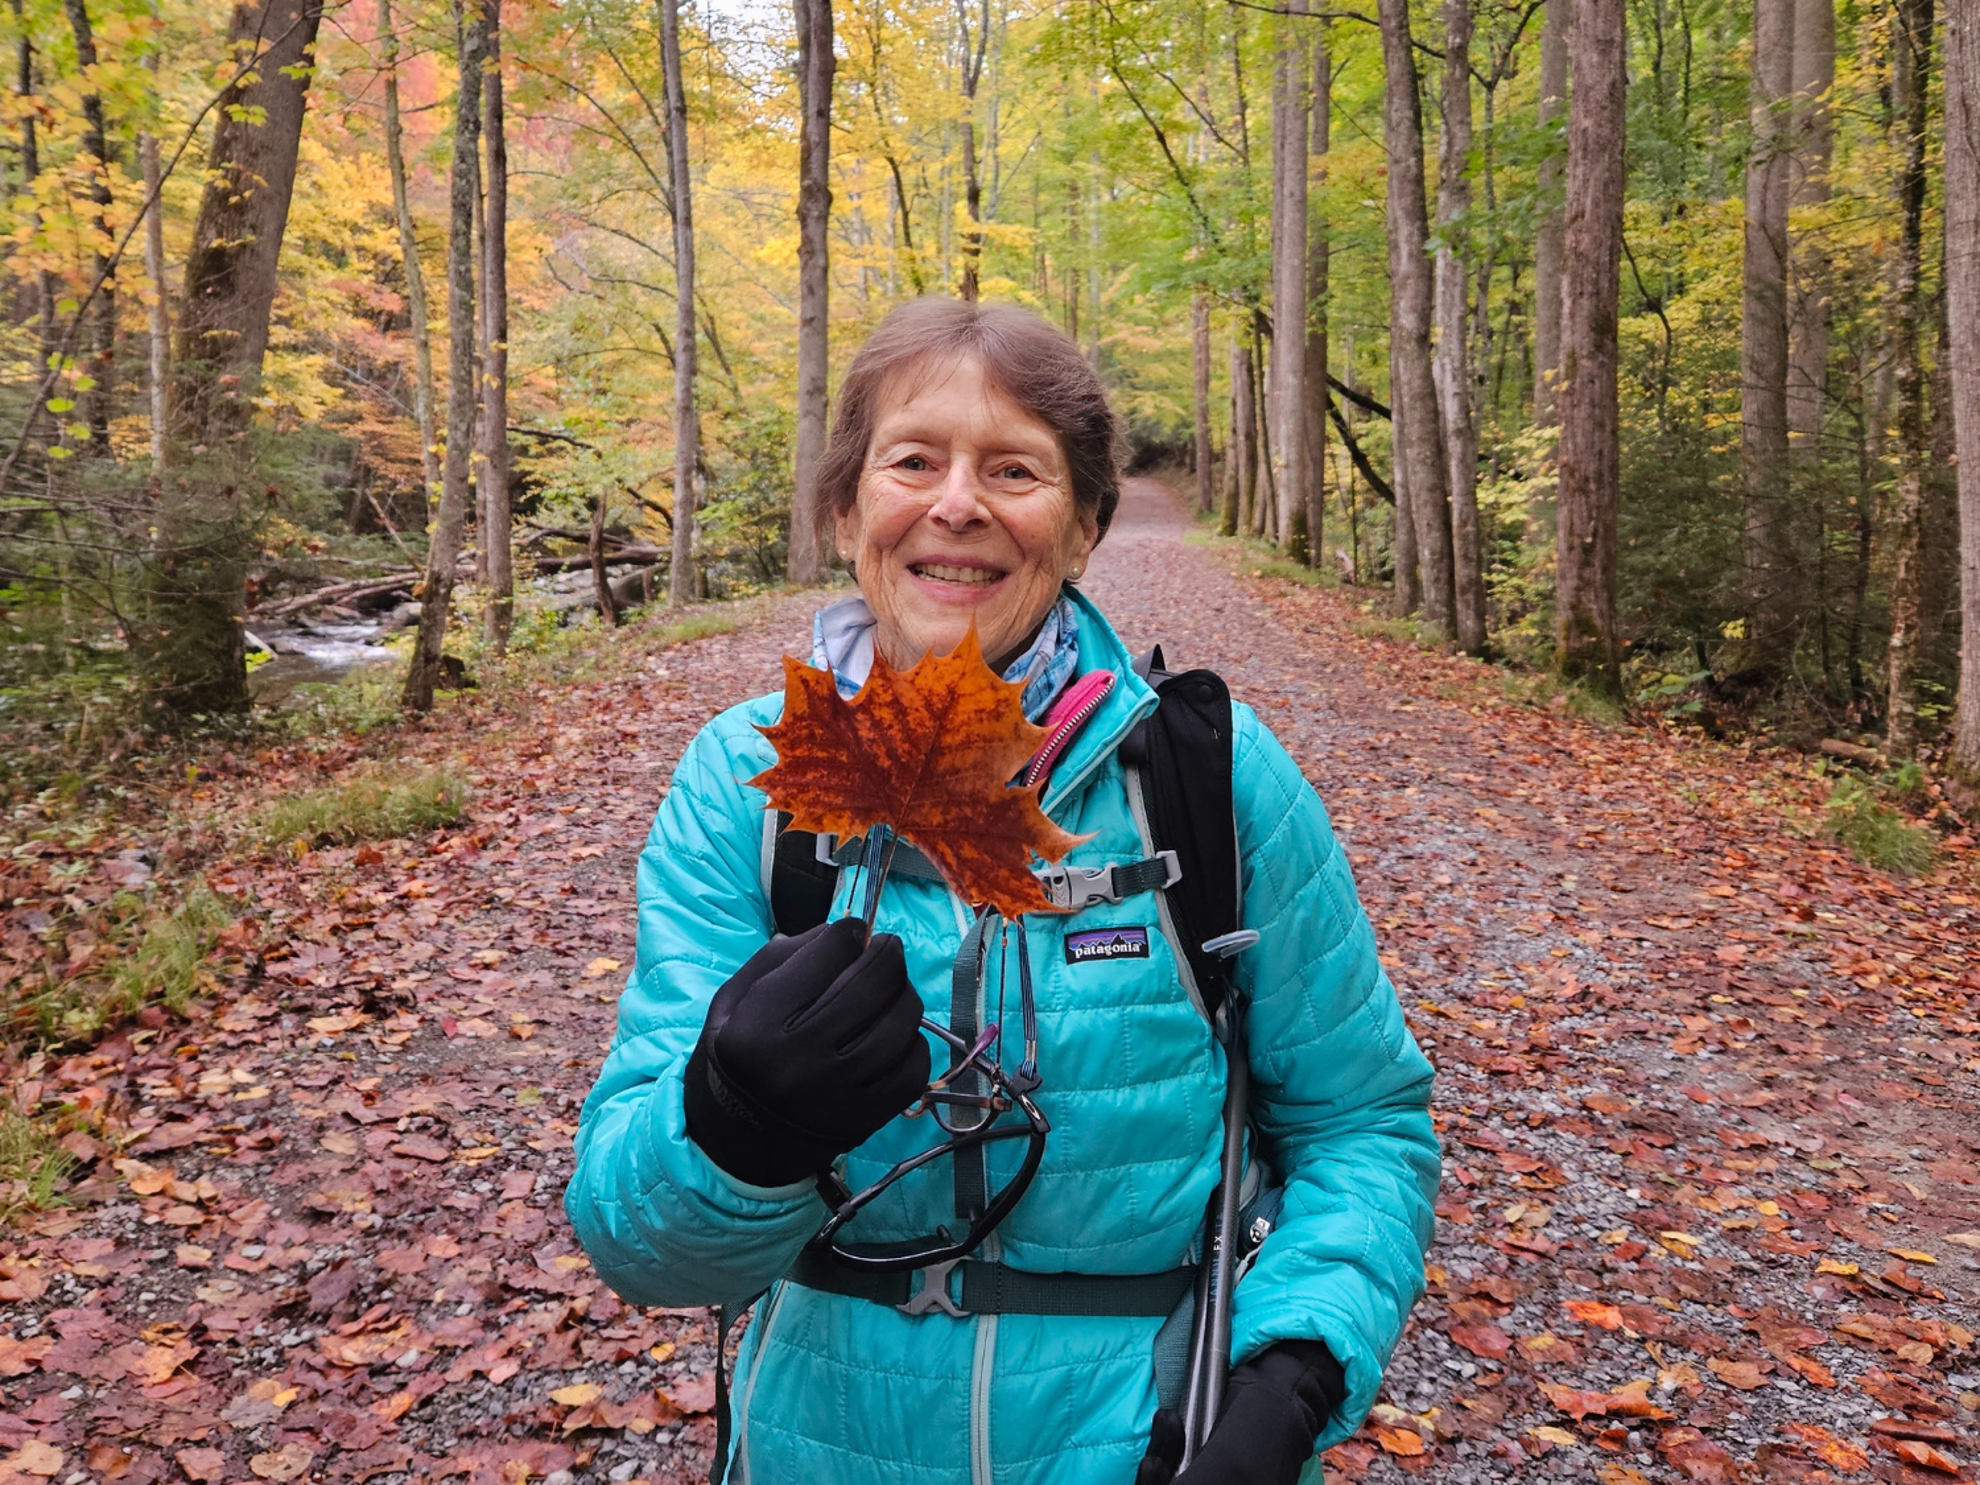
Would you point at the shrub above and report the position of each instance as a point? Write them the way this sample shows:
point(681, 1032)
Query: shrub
point(373, 805)
point(1875, 833)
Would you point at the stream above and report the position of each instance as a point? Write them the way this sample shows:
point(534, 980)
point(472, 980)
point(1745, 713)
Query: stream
point(307, 653)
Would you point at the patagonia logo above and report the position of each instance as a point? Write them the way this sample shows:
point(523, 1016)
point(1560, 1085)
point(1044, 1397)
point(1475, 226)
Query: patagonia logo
point(1097, 944)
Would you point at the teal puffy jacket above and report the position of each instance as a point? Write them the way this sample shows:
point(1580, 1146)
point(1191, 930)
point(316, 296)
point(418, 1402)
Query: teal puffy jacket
point(833, 1390)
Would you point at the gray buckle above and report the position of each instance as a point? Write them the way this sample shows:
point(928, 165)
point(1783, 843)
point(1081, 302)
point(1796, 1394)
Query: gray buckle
point(934, 1292)
point(1071, 888)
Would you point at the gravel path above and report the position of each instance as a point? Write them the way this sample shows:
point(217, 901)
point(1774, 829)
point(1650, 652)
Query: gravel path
point(1706, 1091)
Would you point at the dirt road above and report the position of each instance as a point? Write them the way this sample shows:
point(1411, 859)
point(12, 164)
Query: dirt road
point(1711, 1211)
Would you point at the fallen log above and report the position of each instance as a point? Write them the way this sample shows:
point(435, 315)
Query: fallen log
point(622, 557)
point(1835, 747)
point(337, 593)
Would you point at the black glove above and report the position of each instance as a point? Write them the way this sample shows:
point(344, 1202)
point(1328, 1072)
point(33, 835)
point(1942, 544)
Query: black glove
point(1274, 1408)
point(808, 1050)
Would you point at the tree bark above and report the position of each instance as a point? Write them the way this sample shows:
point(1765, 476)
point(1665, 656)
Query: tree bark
point(237, 240)
point(1962, 189)
point(1547, 235)
point(972, 74)
point(498, 617)
point(687, 426)
point(1315, 396)
point(34, 301)
point(1911, 45)
point(157, 313)
point(814, 214)
point(1238, 504)
point(1590, 451)
point(1289, 247)
point(1763, 348)
point(1451, 363)
point(190, 643)
point(463, 185)
point(1199, 311)
point(601, 581)
point(1419, 439)
point(417, 315)
point(1813, 77)
point(102, 363)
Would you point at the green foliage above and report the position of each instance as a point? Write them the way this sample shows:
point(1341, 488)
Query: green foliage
point(1876, 833)
point(159, 956)
point(1396, 631)
point(374, 805)
point(33, 1166)
point(360, 703)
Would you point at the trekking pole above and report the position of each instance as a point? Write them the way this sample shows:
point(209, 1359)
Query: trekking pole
point(1210, 1329)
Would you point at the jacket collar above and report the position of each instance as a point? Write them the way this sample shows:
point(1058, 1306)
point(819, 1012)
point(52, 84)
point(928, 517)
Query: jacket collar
point(1131, 699)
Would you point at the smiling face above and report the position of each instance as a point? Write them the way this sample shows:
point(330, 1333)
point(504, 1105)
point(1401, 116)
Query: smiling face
point(965, 512)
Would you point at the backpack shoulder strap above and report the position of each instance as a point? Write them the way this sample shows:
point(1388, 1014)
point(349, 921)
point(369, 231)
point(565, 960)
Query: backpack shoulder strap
point(798, 884)
point(1183, 755)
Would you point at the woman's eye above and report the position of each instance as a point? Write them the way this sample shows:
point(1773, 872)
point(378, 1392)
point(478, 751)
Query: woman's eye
point(1014, 472)
point(915, 463)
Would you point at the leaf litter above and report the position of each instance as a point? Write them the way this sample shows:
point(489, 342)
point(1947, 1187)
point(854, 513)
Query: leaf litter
point(1705, 1091)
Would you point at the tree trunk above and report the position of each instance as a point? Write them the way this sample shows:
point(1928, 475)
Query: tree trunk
point(417, 315)
point(601, 580)
point(1911, 46)
point(190, 643)
point(157, 312)
point(1590, 451)
point(1289, 245)
point(972, 74)
point(1315, 396)
point(1813, 76)
point(1451, 364)
point(1418, 435)
point(34, 301)
point(1763, 348)
point(1962, 187)
point(1200, 369)
point(496, 538)
point(814, 214)
point(1547, 236)
point(1238, 506)
point(102, 363)
point(463, 186)
point(687, 427)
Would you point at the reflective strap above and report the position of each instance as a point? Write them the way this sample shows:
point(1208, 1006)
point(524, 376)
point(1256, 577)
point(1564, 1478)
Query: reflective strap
point(993, 1289)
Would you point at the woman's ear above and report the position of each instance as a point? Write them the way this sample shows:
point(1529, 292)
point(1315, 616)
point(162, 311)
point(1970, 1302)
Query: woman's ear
point(845, 532)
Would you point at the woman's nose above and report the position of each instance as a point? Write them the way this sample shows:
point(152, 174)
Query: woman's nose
point(960, 502)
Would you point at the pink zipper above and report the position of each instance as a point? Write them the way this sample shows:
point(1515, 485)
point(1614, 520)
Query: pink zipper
point(1074, 709)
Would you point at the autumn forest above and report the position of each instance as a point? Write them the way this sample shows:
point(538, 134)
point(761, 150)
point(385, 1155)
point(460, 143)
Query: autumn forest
point(1558, 419)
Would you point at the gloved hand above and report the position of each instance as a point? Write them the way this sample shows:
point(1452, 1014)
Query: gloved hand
point(808, 1049)
point(1274, 1408)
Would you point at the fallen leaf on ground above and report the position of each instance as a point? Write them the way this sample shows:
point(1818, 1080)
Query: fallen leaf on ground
point(1925, 1456)
point(1745, 1375)
point(1697, 1458)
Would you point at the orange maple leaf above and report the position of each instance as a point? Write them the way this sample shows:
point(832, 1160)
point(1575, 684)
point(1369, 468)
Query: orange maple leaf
point(930, 752)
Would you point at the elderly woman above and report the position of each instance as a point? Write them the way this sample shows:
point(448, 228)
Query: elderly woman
point(972, 470)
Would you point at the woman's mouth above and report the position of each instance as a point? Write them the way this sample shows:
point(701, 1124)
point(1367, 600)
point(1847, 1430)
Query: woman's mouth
point(963, 576)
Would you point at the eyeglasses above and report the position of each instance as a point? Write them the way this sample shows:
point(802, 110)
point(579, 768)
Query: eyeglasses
point(975, 1084)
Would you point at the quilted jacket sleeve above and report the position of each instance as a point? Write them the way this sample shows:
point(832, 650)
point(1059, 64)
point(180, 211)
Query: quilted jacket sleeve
point(663, 1224)
point(1341, 1093)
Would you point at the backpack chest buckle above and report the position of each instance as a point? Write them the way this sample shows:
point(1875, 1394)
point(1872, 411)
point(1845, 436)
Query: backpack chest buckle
point(934, 1292)
point(1071, 888)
